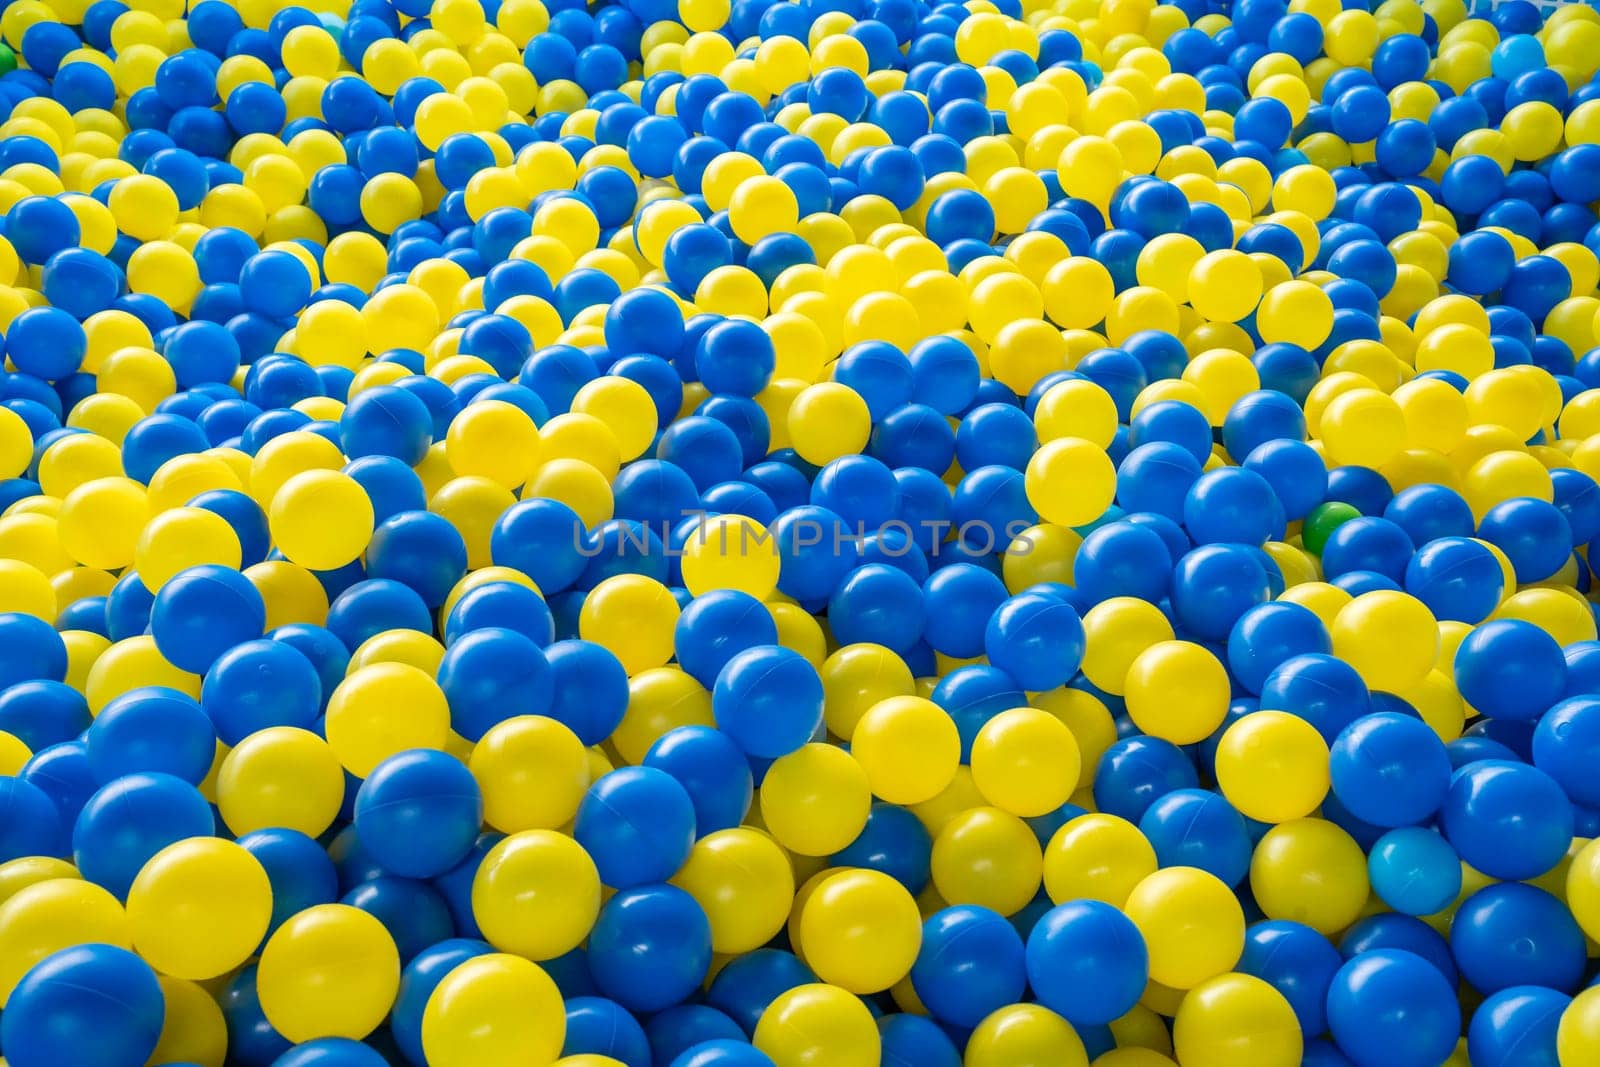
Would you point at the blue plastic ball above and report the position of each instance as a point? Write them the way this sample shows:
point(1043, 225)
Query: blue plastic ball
point(1389, 769)
point(1510, 669)
point(130, 819)
point(94, 1005)
point(637, 824)
point(1506, 819)
point(418, 813)
point(769, 700)
point(1512, 934)
point(1388, 1006)
point(1414, 870)
point(971, 962)
point(152, 729)
point(1087, 962)
point(650, 947)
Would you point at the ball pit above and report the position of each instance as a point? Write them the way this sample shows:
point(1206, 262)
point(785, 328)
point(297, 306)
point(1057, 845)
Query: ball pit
point(722, 533)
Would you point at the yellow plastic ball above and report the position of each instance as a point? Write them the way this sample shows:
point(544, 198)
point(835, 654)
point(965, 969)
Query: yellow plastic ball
point(1363, 427)
point(280, 777)
point(816, 1024)
point(532, 771)
point(632, 616)
point(1578, 1034)
point(1177, 691)
point(743, 881)
point(861, 931)
point(815, 800)
point(1455, 347)
point(199, 908)
point(144, 206)
point(731, 552)
point(1070, 481)
point(1077, 292)
point(330, 971)
point(192, 1027)
point(1390, 637)
point(762, 206)
point(1025, 1035)
point(1273, 766)
point(493, 440)
point(1296, 312)
point(1237, 1018)
point(101, 520)
point(1097, 857)
point(495, 1010)
point(16, 444)
point(536, 894)
point(828, 420)
point(624, 408)
point(1025, 761)
point(1077, 408)
point(320, 519)
point(1533, 130)
point(1225, 286)
point(182, 538)
point(1192, 925)
point(987, 857)
point(384, 709)
point(909, 748)
point(1312, 872)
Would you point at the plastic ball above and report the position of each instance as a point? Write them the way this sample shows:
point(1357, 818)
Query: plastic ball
point(1388, 1003)
point(1036, 639)
point(1414, 870)
point(1191, 924)
point(151, 729)
point(418, 813)
point(1512, 934)
point(650, 947)
point(199, 908)
point(1309, 870)
point(909, 747)
point(970, 963)
point(743, 883)
point(1024, 761)
point(381, 710)
point(1506, 819)
point(536, 873)
point(98, 1005)
point(1508, 668)
point(491, 671)
point(1236, 1015)
point(260, 684)
point(818, 1020)
point(1087, 962)
point(321, 519)
point(202, 612)
point(638, 824)
point(493, 1009)
point(330, 971)
point(1196, 828)
point(1389, 769)
point(769, 700)
point(1265, 753)
point(1021, 1033)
